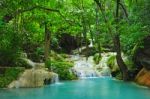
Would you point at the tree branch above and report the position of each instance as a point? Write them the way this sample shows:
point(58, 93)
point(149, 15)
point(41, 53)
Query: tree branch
point(9, 16)
point(104, 17)
point(124, 9)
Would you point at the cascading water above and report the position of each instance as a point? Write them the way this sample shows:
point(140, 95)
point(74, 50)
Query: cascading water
point(104, 70)
point(88, 69)
point(55, 79)
point(83, 68)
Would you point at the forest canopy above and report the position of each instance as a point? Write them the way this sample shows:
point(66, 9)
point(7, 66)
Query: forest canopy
point(37, 26)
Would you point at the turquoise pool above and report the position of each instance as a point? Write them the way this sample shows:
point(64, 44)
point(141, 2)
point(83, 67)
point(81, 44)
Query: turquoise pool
point(100, 88)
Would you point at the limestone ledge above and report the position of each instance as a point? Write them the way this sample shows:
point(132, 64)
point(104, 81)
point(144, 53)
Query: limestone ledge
point(33, 78)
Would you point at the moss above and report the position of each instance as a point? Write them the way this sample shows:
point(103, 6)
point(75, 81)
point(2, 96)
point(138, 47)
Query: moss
point(62, 68)
point(9, 75)
point(97, 58)
point(111, 61)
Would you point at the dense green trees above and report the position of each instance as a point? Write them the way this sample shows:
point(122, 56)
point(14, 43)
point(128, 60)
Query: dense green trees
point(31, 26)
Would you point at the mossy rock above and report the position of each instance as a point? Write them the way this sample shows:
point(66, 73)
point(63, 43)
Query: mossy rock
point(89, 51)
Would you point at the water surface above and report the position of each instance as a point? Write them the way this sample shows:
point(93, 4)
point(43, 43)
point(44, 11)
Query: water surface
point(98, 88)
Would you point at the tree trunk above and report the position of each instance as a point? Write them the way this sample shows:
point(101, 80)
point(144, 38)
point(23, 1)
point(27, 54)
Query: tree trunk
point(120, 62)
point(116, 40)
point(47, 41)
point(97, 32)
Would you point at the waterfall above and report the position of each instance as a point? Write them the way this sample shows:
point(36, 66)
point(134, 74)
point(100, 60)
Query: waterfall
point(91, 43)
point(84, 68)
point(88, 69)
point(56, 80)
point(104, 70)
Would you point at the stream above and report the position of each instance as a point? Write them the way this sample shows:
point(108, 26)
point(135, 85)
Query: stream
point(95, 88)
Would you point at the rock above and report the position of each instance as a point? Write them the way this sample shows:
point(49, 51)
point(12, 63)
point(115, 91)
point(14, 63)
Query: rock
point(143, 77)
point(142, 55)
point(33, 78)
point(88, 51)
point(39, 65)
point(32, 64)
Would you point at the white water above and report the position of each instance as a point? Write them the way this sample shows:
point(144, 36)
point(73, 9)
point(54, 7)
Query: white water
point(55, 81)
point(104, 70)
point(88, 69)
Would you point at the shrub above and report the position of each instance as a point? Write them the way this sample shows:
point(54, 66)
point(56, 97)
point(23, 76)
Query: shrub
point(111, 61)
point(55, 56)
point(114, 67)
point(62, 68)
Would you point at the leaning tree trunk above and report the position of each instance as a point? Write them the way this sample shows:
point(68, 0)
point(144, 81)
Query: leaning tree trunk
point(116, 39)
point(120, 62)
point(47, 42)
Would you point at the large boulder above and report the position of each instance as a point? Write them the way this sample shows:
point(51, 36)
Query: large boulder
point(143, 77)
point(142, 60)
point(33, 78)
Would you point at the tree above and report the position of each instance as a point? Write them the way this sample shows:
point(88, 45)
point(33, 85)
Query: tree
point(116, 38)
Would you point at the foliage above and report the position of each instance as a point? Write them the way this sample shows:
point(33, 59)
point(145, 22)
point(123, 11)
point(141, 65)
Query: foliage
point(8, 57)
point(130, 64)
point(55, 56)
point(97, 58)
point(9, 75)
point(22, 27)
point(111, 61)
